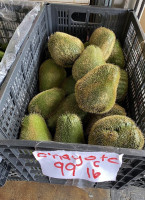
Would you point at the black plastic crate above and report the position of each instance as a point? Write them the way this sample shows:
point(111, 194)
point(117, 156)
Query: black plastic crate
point(22, 86)
point(4, 171)
point(11, 15)
point(107, 3)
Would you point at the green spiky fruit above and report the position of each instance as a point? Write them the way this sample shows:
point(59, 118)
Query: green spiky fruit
point(69, 129)
point(50, 75)
point(96, 92)
point(117, 131)
point(68, 85)
point(64, 48)
point(68, 105)
point(46, 102)
point(105, 39)
point(122, 86)
point(86, 44)
point(34, 128)
point(91, 57)
point(3, 46)
point(1, 55)
point(91, 119)
point(117, 56)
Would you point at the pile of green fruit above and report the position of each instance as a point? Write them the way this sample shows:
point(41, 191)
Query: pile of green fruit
point(85, 103)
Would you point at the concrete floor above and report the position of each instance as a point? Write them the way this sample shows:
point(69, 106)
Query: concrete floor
point(20, 190)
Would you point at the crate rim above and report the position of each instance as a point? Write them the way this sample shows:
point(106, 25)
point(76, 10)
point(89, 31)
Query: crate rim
point(101, 8)
point(52, 145)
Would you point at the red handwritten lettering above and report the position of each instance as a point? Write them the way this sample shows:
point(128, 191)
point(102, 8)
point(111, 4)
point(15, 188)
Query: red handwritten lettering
point(103, 157)
point(71, 169)
point(42, 155)
point(90, 158)
point(88, 172)
point(60, 166)
point(66, 156)
point(56, 155)
point(49, 154)
point(95, 174)
point(81, 161)
point(110, 160)
point(95, 163)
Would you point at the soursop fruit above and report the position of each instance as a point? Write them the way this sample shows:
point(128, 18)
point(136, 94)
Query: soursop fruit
point(64, 48)
point(96, 92)
point(86, 44)
point(91, 57)
point(105, 39)
point(50, 75)
point(116, 131)
point(91, 119)
point(46, 102)
point(34, 128)
point(68, 85)
point(69, 129)
point(117, 56)
point(68, 105)
point(122, 86)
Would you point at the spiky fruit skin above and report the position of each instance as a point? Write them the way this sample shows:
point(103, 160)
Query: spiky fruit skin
point(3, 46)
point(50, 75)
point(91, 57)
point(91, 119)
point(122, 86)
point(34, 128)
point(117, 56)
point(64, 48)
point(105, 39)
point(46, 102)
point(117, 131)
point(68, 105)
point(69, 129)
point(68, 85)
point(86, 44)
point(1, 55)
point(96, 92)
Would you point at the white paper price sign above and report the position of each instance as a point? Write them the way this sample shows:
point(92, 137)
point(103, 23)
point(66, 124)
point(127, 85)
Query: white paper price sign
point(91, 166)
